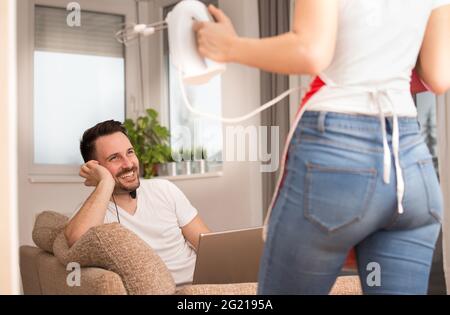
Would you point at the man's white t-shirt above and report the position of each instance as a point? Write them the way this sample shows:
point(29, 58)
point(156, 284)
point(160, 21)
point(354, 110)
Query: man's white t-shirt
point(378, 43)
point(162, 210)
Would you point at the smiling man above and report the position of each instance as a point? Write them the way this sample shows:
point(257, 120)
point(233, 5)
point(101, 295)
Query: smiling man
point(156, 210)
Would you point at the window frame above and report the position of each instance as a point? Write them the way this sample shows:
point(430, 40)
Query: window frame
point(26, 12)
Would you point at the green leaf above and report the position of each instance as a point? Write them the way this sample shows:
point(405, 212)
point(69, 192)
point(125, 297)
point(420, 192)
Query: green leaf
point(152, 113)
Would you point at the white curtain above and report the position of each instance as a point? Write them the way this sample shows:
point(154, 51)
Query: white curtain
point(443, 123)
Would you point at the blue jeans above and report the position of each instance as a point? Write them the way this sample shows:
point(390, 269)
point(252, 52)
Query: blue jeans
point(334, 199)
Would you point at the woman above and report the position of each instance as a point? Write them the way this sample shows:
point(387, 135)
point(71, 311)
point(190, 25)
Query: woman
point(358, 174)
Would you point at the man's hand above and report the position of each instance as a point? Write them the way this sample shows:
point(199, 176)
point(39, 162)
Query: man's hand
point(94, 173)
point(93, 211)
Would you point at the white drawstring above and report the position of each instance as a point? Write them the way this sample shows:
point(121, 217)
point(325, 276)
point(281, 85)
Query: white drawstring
point(376, 95)
point(398, 169)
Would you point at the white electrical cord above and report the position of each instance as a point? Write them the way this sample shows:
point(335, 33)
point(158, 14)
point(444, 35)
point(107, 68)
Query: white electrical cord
point(231, 120)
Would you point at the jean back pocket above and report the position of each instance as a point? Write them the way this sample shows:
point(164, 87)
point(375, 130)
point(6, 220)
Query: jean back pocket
point(335, 196)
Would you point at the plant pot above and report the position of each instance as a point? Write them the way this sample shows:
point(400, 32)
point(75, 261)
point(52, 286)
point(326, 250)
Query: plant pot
point(184, 168)
point(141, 170)
point(199, 167)
point(167, 169)
point(147, 171)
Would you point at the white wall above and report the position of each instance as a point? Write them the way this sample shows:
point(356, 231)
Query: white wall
point(9, 273)
point(227, 202)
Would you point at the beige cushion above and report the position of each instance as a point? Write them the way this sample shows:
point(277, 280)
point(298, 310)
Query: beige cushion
point(47, 226)
point(219, 289)
point(344, 285)
point(347, 285)
point(113, 247)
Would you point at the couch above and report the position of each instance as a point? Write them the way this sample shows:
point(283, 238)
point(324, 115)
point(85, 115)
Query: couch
point(113, 261)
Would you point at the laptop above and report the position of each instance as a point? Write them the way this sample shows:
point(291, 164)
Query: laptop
point(229, 257)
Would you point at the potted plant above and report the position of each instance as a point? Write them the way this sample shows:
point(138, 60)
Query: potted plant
point(185, 163)
point(150, 141)
point(199, 163)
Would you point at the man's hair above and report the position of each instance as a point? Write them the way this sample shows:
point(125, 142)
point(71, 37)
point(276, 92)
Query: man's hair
point(87, 143)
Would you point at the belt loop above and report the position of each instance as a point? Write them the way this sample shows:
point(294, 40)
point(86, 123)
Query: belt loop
point(321, 121)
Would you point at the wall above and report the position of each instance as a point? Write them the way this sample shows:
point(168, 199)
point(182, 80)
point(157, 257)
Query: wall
point(226, 202)
point(9, 273)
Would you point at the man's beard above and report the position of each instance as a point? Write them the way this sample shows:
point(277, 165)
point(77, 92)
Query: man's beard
point(120, 188)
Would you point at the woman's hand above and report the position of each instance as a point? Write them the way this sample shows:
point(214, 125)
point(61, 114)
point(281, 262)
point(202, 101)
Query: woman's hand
point(215, 40)
point(94, 173)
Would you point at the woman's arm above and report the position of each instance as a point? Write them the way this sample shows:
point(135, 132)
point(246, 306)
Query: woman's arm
point(434, 60)
point(307, 49)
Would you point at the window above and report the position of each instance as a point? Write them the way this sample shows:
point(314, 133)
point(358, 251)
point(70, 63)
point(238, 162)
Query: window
point(79, 80)
point(187, 130)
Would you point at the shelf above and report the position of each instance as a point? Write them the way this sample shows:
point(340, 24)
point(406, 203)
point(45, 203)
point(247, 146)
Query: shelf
point(54, 179)
point(192, 176)
point(71, 179)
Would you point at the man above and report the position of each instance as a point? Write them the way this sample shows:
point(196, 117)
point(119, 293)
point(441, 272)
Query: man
point(157, 211)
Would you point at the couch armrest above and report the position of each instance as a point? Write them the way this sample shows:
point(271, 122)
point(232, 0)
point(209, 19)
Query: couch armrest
point(29, 256)
point(219, 289)
point(53, 278)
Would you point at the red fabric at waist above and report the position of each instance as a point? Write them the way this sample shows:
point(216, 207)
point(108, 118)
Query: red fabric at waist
point(315, 87)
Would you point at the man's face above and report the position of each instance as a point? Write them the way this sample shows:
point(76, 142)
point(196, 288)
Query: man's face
point(115, 153)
